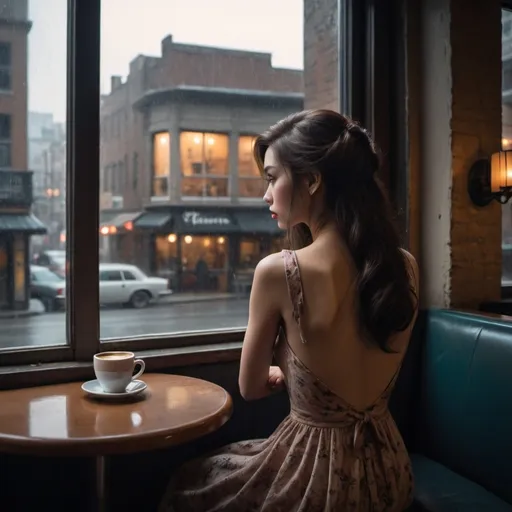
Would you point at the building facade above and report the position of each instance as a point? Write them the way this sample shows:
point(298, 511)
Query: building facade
point(17, 224)
point(181, 193)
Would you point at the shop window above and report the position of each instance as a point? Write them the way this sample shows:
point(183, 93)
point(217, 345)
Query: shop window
point(204, 164)
point(161, 164)
point(204, 261)
point(250, 181)
point(166, 248)
point(250, 253)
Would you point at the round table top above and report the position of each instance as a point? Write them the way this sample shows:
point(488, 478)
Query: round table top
point(62, 420)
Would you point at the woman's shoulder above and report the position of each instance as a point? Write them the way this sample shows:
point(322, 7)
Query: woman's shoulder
point(270, 267)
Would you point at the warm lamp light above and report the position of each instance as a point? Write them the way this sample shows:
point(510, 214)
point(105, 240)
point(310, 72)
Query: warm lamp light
point(488, 180)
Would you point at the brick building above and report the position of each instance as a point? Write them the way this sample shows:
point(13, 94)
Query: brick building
point(178, 182)
point(16, 222)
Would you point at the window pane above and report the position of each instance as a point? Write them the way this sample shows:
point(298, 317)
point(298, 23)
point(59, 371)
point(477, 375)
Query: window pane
point(5, 66)
point(193, 218)
point(204, 154)
point(5, 53)
point(33, 269)
point(250, 182)
point(161, 163)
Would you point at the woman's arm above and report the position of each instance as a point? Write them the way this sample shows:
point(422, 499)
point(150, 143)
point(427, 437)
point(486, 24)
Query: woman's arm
point(262, 328)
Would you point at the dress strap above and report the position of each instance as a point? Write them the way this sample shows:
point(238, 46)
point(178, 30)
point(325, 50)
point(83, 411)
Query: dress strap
point(294, 282)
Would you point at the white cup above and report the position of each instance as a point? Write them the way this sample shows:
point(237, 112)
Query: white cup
point(114, 370)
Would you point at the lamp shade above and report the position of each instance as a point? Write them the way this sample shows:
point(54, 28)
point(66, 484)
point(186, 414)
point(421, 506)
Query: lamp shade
point(501, 171)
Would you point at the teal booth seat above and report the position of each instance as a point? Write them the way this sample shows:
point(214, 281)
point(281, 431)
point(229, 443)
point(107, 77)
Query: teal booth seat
point(453, 405)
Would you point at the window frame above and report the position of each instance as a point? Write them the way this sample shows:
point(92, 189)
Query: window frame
point(74, 360)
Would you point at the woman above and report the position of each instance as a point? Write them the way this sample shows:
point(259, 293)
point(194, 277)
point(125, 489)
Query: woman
point(342, 306)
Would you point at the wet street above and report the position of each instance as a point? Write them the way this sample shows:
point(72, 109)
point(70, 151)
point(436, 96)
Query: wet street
point(49, 328)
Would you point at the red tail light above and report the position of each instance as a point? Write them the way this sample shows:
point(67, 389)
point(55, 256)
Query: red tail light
point(60, 291)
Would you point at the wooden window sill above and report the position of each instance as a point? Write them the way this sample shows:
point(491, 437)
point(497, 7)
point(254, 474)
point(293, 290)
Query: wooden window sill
point(156, 360)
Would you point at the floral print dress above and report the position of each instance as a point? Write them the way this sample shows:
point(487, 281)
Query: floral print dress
point(325, 456)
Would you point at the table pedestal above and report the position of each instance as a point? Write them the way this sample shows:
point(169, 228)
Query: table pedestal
point(101, 487)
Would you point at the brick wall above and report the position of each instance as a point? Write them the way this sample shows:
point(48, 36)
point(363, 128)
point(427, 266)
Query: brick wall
point(125, 129)
point(218, 67)
point(15, 102)
point(321, 54)
point(459, 55)
point(476, 131)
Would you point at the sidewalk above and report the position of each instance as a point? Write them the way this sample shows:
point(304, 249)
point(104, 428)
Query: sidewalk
point(36, 308)
point(182, 298)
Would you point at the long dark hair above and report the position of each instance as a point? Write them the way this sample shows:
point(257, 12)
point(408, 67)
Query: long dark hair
point(343, 153)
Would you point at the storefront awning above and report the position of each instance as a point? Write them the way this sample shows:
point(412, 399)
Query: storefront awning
point(153, 220)
point(257, 222)
point(120, 221)
point(28, 224)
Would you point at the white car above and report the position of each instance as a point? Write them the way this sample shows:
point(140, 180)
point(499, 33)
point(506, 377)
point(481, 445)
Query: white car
point(127, 284)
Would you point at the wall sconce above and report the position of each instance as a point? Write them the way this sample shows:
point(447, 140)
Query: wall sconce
point(491, 179)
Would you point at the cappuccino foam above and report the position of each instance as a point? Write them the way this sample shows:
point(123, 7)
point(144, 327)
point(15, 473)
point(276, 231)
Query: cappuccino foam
point(114, 356)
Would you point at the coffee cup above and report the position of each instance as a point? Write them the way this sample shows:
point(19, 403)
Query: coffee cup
point(114, 370)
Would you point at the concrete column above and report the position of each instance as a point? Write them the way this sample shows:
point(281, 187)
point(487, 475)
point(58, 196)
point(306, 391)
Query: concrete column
point(233, 165)
point(175, 166)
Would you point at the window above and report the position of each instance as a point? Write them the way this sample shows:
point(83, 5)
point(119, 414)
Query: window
point(135, 170)
point(34, 269)
point(506, 28)
point(250, 181)
point(506, 242)
point(193, 106)
point(161, 164)
point(5, 66)
point(5, 140)
point(129, 276)
point(111, 275)
point(204, 164)
point(120, 178)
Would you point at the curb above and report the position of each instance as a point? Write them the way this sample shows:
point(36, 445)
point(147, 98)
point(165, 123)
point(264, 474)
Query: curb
point(188, 301)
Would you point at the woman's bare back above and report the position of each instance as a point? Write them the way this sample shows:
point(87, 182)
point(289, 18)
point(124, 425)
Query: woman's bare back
point(335, 350)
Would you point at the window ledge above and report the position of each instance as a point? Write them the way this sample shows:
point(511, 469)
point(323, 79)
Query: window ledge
point(156, 360)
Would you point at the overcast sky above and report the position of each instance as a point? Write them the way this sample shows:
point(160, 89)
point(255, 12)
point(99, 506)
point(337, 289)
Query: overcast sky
point(132, 27)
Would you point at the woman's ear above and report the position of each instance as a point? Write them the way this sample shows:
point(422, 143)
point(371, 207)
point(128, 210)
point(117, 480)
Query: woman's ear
point(314, 182)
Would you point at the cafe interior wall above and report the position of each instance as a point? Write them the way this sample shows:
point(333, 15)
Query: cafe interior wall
point(137, 481)
point(455, 71)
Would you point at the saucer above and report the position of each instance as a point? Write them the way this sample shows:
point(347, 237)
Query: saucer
point(94, 388)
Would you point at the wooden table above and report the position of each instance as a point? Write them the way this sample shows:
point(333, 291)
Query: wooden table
point(60, 420)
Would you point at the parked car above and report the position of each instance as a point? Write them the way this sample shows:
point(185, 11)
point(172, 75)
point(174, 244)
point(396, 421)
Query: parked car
point(55, 260)
point(48, 287)
point(128, 285)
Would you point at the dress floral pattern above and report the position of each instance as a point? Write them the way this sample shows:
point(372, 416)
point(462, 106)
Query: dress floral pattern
point(325, 456)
